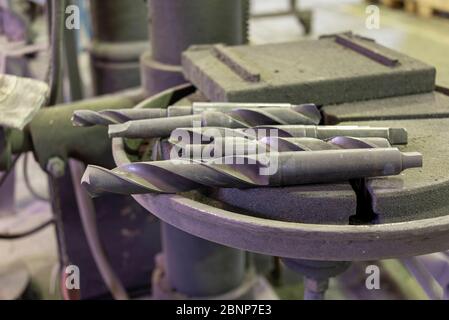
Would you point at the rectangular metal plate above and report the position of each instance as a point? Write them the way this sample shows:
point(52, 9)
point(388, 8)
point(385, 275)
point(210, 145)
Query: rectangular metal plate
point(320, 71)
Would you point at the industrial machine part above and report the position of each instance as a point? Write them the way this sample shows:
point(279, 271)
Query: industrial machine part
point(281, 169)
point(249, 73)
point(20, 101)
point(396, 136)
point(55, 160)
point(235, 118)
point(180, 20)
point(175, 27)
point(317, 275)
point(415, 106)
point(52, 134)
point(119, 36)
point(206, 134)
point(299, 219)
point(242, 146)
point(18, 47)
point(224, 274)
point(86, 118)
point(240, 218)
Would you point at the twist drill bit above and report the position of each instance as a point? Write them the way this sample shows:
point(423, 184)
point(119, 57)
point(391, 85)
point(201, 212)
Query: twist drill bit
point(235, 118)
point(227, 146)
point(280, 169)
point(86, 118)
point(200, 135)
point(313, 144)
point(207, 134)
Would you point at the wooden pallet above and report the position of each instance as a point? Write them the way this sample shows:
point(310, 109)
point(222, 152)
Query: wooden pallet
point(426, 8)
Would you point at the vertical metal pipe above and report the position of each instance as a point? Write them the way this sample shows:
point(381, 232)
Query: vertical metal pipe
point(57, 30)
point(178, 24)
point(118, 20)
point(120, 36)
point(88, 219)
point(194, 267)
point(200, 268)
point(85, 203)
point(315, 289)
point(316, 275)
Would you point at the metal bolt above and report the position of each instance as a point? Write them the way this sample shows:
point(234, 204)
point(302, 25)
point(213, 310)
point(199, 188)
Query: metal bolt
point(56, 167)
point(315, 289)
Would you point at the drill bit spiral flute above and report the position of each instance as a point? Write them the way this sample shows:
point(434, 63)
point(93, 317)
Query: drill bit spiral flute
point(296, 150)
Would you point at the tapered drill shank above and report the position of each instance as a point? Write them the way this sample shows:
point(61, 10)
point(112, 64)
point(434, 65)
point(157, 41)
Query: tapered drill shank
point(276, 169)
point(221, 146)
point(207, 134)
point(394, 135)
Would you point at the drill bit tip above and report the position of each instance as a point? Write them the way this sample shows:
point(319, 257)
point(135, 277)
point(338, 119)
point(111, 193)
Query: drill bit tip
point(82, 118)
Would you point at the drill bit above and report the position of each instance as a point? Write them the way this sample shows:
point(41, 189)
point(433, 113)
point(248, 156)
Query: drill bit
point(394, 135)
point(313, 144)
point(235, 118)
point(86, 118)
point(280, 169)
point(240, 146)
point(208, 134)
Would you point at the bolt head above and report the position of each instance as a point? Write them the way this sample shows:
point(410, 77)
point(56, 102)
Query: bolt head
point(56, 167)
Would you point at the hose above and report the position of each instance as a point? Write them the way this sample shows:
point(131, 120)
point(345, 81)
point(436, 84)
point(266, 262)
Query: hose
point(27, 180)
point(87, 213)
point(23, 234)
